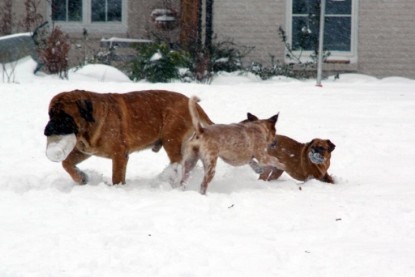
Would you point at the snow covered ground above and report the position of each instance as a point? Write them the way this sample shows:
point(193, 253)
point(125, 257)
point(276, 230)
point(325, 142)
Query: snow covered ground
point(364, 225)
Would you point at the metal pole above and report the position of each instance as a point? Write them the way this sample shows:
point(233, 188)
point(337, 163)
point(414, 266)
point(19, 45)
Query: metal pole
point(321, 42)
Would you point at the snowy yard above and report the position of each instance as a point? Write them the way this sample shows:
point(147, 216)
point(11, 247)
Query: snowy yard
point(364, 225)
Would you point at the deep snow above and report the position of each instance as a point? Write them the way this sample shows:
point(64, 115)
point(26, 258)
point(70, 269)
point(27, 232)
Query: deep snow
point(364, 225)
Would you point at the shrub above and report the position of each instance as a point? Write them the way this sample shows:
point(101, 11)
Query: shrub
point(55, 53)
point(276, 69)
point(227, 56)
point(156, 62)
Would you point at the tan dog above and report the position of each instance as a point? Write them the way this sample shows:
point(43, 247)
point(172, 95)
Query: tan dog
point(236, 144)
point(114, 125)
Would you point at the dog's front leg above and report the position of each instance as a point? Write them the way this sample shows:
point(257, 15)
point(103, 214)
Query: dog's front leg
point(69, 164)
point(119, 168)
point(271, 160)
point(255, 166)
point(327, 178)
point(270, 173)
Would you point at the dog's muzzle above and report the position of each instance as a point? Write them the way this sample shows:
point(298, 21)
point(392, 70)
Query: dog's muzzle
point(315, 157)
point(58, 147)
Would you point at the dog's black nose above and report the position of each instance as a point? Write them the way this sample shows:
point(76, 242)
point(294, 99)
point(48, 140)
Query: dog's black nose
point(318, 149)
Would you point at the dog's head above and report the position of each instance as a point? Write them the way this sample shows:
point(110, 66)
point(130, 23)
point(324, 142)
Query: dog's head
point(319, 150)
point(67, 117)
point(269, 124)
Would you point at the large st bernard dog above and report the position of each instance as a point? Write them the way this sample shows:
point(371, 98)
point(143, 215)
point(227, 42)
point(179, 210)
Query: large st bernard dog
point(111, 125)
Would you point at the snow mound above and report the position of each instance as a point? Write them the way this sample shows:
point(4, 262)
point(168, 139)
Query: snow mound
point(98, 72)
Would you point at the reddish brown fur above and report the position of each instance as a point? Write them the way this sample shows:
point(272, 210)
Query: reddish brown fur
point(294, 155)
point(124, 123)
point(236, 144)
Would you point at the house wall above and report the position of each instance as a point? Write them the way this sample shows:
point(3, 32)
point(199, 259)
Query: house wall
point(253, 24)
point(386, 33)
point(387, 38)
point(140, 24)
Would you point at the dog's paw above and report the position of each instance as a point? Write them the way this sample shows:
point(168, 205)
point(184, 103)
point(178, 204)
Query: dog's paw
point(256, 167)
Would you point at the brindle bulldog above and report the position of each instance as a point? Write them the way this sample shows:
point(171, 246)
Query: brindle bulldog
point(111, 125)
point(302, 161)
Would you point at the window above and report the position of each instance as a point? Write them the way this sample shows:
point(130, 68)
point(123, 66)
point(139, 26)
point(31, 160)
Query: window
point(339, 27)
point(67, 10)
point(106, 10)
point(94, 15)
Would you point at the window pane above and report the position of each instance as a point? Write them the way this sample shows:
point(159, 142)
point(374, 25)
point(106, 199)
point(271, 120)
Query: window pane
point(59, 10)
point(305, 33)
point(313, 6)
point(114, 10)
point(339, 7)
point(337, 34)
point(98, 10)
point(305, 6)
point(74, 10)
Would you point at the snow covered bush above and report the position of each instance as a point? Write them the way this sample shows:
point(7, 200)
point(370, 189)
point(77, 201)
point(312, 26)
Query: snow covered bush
point(158, 63)
point(276, 69)
point(227, 56)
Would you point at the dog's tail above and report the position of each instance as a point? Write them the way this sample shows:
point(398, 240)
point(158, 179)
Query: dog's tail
point(195, 115)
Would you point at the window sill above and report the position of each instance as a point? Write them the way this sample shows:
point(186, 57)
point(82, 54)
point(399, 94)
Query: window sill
point(101, 27)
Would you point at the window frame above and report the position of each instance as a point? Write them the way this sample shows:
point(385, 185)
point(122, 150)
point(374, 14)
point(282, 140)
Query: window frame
point(344, 56)
point(94, 26)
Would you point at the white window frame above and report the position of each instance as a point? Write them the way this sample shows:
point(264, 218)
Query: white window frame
point(94, 27)
point(347, 56)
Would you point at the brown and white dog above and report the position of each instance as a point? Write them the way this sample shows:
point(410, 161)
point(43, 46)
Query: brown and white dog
point(236, 144)
point(302, 161)
point(114, 125)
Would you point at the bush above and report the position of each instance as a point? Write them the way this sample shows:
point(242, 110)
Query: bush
point(276, 69)
point(225, 56)
point(55, 53)
point(156, 62)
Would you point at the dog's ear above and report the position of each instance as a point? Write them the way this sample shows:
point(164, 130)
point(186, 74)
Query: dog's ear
point(331, 145)
point(85, 108)
point(251, 117)
point(312, 141)
point(274, 118)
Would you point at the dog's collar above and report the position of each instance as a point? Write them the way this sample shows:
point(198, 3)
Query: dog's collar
point(315, 158)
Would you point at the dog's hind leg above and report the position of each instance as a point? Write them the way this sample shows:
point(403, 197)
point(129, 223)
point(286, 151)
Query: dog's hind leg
point(173, 136)
point(69, 164)
point(209, 165)
point(189, 162)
